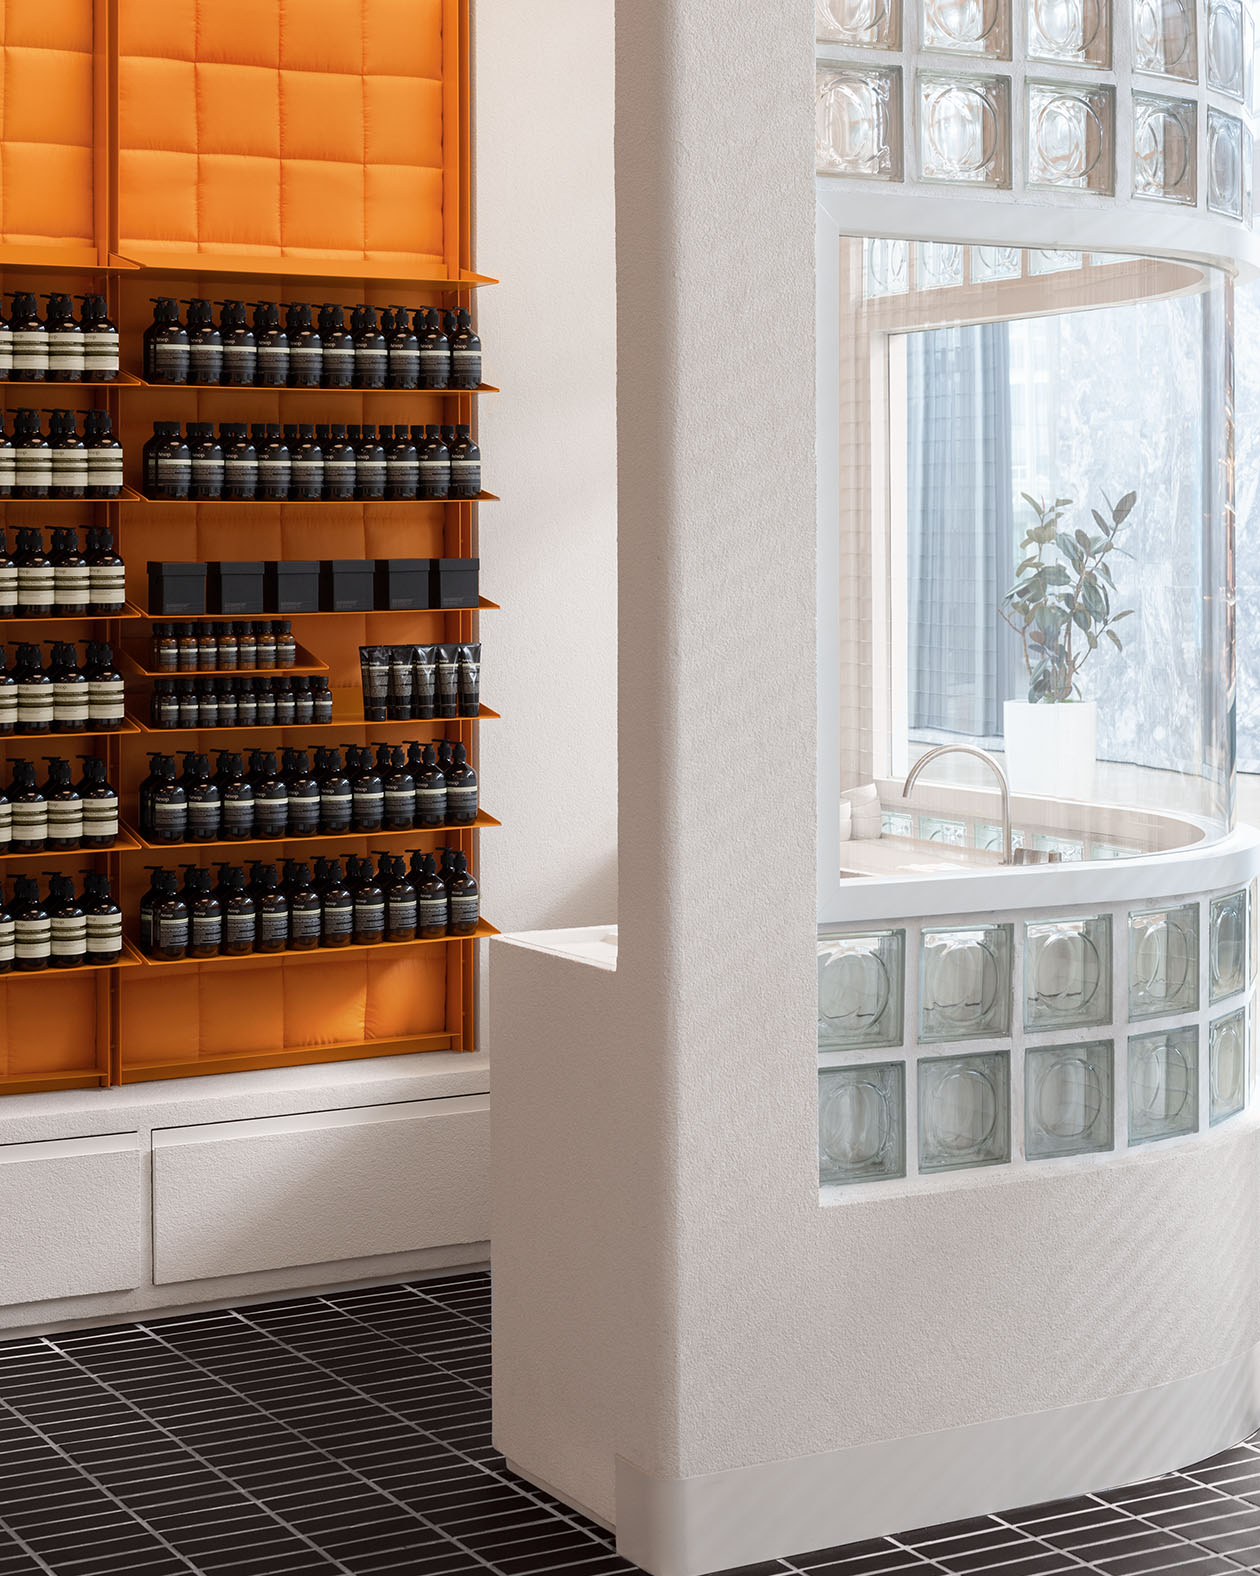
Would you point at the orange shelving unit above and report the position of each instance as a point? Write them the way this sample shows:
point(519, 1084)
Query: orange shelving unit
point(256, 151)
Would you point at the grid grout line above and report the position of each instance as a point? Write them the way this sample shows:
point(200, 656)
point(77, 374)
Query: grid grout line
point(354, 1430)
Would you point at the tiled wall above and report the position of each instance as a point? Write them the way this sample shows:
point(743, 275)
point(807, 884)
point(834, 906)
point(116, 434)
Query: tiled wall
point(1022, 1038)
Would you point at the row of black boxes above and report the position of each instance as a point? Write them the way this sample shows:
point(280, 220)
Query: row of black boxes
point(330, 585)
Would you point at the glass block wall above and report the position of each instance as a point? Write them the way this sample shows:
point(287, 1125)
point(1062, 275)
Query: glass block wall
point(1149, 100)
point(1023, 1039)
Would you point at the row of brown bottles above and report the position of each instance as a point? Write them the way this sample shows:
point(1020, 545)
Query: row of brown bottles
point(268, 913)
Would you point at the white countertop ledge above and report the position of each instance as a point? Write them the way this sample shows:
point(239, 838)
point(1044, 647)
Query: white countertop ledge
point(595, 945)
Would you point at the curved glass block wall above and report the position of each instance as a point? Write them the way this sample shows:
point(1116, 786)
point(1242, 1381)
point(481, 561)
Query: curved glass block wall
point(1025, 548)
point(1027, 1038)
point(1129, 100)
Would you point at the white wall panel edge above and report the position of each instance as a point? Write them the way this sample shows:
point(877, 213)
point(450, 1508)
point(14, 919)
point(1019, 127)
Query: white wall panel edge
point(690, 1526)
point(313, 1121)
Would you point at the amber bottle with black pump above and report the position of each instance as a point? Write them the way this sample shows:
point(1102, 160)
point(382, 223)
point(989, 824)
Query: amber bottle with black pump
point(67, 923)
point(337, 905)
point(401, 903)
point(170, 921)
point(305, 907)
point(71, 691)
point(104, 919)
point(240, 913)
point(28, 810)
point(100, 804)
point(273, 910)
point(64, 807)
point(465, 900)
point(431, 900)
point(205, 914)
point(271, 346)
point(369, 902)
point(32, 941)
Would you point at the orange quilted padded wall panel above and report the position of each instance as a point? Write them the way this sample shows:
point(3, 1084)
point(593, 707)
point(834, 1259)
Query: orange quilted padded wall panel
point(283, 128)
point(46, 123)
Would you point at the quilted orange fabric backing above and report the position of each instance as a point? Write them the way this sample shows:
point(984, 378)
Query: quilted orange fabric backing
point(46, 168)
point(309, 128)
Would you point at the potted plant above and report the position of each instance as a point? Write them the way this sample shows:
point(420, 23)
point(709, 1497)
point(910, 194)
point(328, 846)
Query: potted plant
point(1062, 608)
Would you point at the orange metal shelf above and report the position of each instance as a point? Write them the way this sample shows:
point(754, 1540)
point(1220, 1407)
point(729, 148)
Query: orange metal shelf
point(128, 493)
point(128, 726)
point(307, 662)
point(64, 259)
point(297, 1056)
point(320, 954)
point(253, 388)
point(130, 959)
point(127, 842)
point(483, 606)
point(123, 380)
point(234, 265)
point(131, 496)
point(339, 721)
point(377, 839)
point(74, 618)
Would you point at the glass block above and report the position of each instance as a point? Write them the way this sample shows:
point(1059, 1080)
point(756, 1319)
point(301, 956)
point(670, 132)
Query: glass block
point(964, 1111)
point(1077, 32)
point(1227, 946)
point(862, 24)
point(936, 266)
point(964, 129)
point(860, 989)
point(1044, 260)
point(857, 126)
point(1163, 1085)
point(995, 262)
point(1164, 148)
point(887, 267)
point(1227, 1066)
point(1069, 1099)
point(1165, 40)
point(896, 823)
point(1067, 848)
point(1164, 961)
point(938, 829)
point(1225, 47)
point(988, 834)
point(966, 27)
point(1225, 164)
point(965, 983)
point(1071, 136)
point(861, 1123)
point(1067, 973)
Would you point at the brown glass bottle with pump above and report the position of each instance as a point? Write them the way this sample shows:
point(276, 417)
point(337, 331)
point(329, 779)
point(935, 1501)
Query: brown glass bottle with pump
point(464, 899)
point(64, 807)
point(28, 810)
point(401, 904)
point(431, 900)
point(273, 910)
point(104, 919)
point(100, 804)
point(32, 928)
point(305, 908)
point(67, 923)
point(240, 913)
point(205, 914)
point(337, 905)
point(170, 922)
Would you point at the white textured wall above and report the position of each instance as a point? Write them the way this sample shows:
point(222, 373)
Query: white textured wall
point(544, 226)
point(668, 1289)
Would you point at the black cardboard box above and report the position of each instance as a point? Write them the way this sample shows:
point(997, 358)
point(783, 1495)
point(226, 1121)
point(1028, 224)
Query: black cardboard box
point(347, 585)
point(176, 590)
point(454, 582)
point(238, 586)
point(292, 586)
point(403, 583)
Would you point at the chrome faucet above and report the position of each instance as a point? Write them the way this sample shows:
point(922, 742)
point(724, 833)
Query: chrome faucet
point(1008, 857)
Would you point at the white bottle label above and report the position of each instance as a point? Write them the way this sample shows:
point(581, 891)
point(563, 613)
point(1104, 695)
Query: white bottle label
point(35, 703)
point(400, 802)
point(465, 910)
point(304, 923)
point(273, 359)
point(30, 351)
point(430, 801)
point(172, 932)
point(339, 358)
point(374, 355)
point(8, 939)
point(241, 927)
point(432, 912)
point(100, 818)
point(338, 921)
point(70, 701)
point(402, 913)
point(8, 587)
point(8, 466)
point(108, 582)
point(174, 472)
point(170, 815)
point(34, 938)
point(370, 473)
point(105, 467)
point(339, 472)
point(305, 358)
point(71, 585)
point(204, 815)
point(404, 363)
point(403, 473)
point(65, 819)
point(33, 467)
point(170, 354)
point(6, 349)
point(207, 472)
point(8, 707)
point(30, 821)
point(240, 360)
point(207, 930)
point(100, 350)
point(105, 700)
point(310, 473)
point(6, 824)
point(240, 472)
point(69, 935)
point(65, 353)
point(368, 805)
point(104, 933)
point(35, 584)
point(275, 473)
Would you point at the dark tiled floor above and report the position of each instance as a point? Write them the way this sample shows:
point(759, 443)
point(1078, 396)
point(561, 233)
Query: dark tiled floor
point(352, 1434)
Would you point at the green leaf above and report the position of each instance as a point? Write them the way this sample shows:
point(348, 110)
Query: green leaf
point(1094, 598)
point(1114, 639)
point(1127, 613)
point(1032, 503)
point(1064, 503)
point(1081, 619)
point(1083, 541)
point(1124, 508)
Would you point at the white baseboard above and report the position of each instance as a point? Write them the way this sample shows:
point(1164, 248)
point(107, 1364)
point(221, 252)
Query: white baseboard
point(692, 1526)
